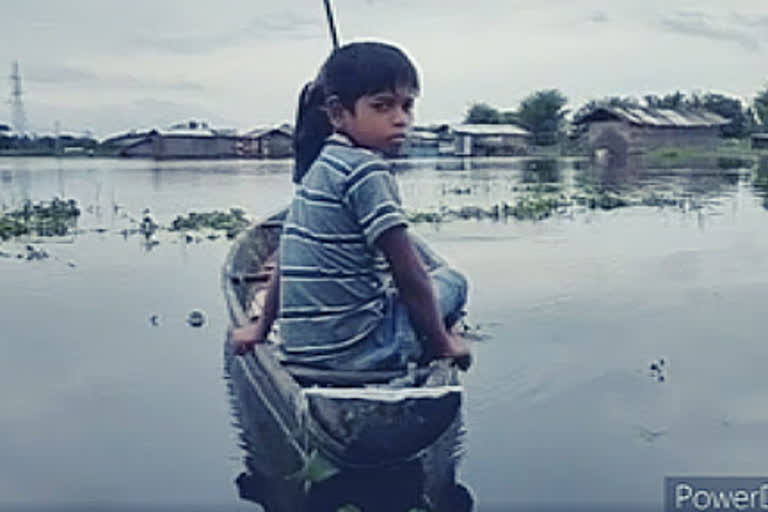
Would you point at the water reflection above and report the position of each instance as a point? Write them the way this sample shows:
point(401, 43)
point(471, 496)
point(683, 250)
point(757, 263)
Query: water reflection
point(461, 164)
point(545, 170)
point(760, 182)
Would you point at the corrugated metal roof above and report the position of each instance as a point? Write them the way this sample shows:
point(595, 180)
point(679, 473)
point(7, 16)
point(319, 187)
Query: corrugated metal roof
point(659, 117)
point(263, 130)
point(175, 132)
point(490, 129)
point(188, 129)
point(192, 129)
point(133, 135)
point(124, 141)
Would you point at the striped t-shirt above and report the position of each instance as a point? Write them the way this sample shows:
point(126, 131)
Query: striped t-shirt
point(333, 278)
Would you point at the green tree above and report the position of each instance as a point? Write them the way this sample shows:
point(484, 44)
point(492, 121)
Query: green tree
point(761, 107)
point(543, 113)
point(674, 101)
point(482, 113)
point(740, 117)
point(728, 107)
point(510, 117)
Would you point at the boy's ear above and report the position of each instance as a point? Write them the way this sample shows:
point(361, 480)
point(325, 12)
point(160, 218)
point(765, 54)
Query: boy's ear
point(335, 109)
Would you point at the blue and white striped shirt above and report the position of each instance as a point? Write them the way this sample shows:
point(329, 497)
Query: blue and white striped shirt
point(333, 278)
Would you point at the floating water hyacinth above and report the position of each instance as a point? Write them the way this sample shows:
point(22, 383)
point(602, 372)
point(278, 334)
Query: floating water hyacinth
point(535, 205)
point(45, 218)
point(10, 227)
point(232, 222)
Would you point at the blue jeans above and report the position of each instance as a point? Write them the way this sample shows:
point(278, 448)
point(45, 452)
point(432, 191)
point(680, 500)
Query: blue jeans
point(395, 342)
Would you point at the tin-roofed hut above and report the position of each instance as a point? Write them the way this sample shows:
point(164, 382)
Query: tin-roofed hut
point(268, 142)
point(490, 140)
point(193, 139)
point(421, 143)
point(626, 131)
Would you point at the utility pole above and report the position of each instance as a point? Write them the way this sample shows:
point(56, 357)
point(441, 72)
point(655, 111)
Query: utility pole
point(19, 119)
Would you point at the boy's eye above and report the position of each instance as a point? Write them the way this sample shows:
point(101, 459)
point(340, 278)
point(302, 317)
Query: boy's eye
point(381, 106)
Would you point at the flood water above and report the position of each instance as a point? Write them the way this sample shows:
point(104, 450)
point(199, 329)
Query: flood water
point(102, 409)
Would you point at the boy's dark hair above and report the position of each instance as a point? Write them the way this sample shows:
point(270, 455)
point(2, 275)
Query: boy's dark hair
point(351, 72)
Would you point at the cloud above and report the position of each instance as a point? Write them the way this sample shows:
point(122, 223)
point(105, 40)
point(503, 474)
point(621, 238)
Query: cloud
point(701, 24)
point(287, 23)
point(283, 24)
point(599, 17)
point(67, 75)
point(751, 20)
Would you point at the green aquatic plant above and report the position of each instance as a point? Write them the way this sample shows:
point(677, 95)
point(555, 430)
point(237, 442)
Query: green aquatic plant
point(56, 208)
point(44, 218)
point(475, 212)
point(602, 199)
point(654, 199)
point(536, 202)
point(10, 227)
point(418, 217)
point(530, 207)
point(232, 222)
point(316, 469)
point(534, 207)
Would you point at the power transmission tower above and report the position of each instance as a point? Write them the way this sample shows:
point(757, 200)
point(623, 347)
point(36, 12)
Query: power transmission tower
point(17, 104)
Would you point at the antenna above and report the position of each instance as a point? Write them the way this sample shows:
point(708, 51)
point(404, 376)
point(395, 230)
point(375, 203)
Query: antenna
point(17, 105)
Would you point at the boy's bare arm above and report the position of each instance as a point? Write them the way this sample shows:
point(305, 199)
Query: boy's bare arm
point(244, 338)
point(415, 288)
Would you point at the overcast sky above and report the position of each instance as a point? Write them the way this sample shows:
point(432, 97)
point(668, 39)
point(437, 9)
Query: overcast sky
point(108, 65)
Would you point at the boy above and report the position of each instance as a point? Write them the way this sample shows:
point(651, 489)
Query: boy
point(345, 240)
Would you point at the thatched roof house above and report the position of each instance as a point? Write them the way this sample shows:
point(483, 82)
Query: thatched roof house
point(625, 131)
point(490, 139)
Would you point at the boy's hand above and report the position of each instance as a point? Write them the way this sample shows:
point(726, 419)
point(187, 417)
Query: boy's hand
point(244, 338)
point(455, 349)
point(459, 352)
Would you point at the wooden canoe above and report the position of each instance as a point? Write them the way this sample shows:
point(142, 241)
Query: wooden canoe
point(355, 420)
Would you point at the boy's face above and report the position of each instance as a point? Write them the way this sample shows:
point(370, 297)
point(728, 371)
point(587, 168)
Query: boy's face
point(379, 121)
